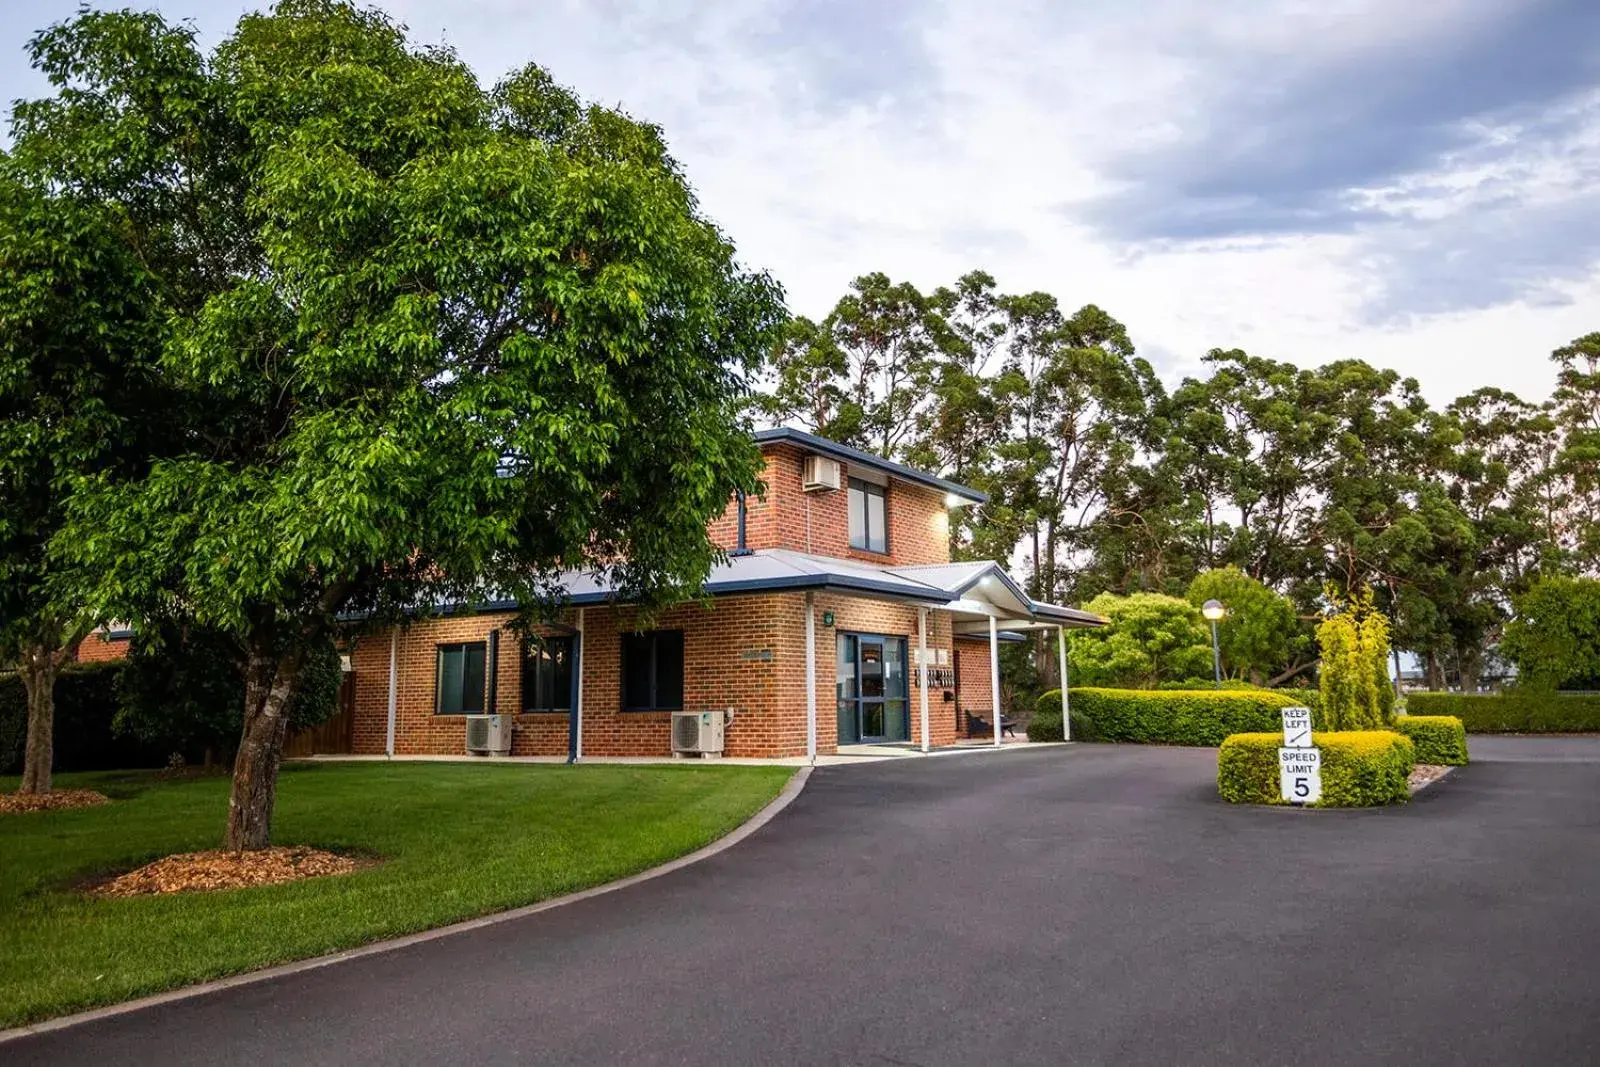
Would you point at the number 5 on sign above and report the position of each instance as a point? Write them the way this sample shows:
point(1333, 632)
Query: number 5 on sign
point(1300, 775)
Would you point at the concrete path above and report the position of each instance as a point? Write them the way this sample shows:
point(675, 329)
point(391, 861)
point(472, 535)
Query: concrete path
point(1092, 904)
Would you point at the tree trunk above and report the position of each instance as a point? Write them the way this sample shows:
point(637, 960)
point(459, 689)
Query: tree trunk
point(270, 685)
point(38, 672)
point(1435, 673)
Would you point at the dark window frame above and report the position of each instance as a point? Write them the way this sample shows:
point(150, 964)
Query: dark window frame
point(867, 489)
point(528, 701)
point(440, 651)
point(655, 703)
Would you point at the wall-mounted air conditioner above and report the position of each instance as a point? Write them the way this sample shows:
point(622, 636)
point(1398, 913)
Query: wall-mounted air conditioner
point(489, 735)
point(821, 473)
point(699, 733)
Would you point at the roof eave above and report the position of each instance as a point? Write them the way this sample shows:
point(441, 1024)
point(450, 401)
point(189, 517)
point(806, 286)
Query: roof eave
point(835, 450)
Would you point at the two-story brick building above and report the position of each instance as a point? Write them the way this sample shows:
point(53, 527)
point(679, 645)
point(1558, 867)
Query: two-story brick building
point(837, 619)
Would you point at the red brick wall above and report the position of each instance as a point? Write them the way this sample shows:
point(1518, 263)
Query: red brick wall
point(892, 619)
point(747, 653)
point(818, 523)
point(97, 649)
point(974, 688)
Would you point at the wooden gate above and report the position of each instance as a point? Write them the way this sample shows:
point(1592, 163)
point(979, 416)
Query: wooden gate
point(336, 737)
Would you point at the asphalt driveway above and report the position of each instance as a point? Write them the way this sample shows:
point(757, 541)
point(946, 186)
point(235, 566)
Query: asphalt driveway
point(1091, 905)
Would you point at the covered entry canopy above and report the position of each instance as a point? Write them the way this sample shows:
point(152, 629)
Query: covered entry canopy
point(982, 591)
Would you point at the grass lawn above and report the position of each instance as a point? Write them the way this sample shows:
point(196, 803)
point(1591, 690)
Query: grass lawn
point(458, 840)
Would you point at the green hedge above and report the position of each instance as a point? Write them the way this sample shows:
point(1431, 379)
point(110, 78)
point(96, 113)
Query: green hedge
point(1168, 716)
point(1516, 712)
point(1046, 726)
point(1360, 768)
point(1439, 739)
point(86, 703)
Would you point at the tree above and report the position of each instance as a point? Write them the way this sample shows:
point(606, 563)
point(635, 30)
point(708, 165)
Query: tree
point(809, 372)
point(1576, 407)
point(187, 689)
point(1354, 676)
point(1554, 638)
point(1150, 639)
point(75, 331)
point(438, 339)
point(1260, 637)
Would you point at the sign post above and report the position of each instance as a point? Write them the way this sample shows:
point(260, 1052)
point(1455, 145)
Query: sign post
point(1299, 763)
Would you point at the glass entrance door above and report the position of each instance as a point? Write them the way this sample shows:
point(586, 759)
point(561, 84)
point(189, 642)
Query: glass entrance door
point(872, 698)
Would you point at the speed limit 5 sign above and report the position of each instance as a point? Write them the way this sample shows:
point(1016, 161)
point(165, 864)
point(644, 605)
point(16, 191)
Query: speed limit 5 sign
point(1300, 774)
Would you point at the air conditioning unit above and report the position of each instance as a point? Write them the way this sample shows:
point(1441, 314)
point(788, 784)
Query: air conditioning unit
point(699, 733)
point(821, 473)
point(489, 735)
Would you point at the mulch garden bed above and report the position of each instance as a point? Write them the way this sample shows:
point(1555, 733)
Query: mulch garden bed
point(56, 800)
point(1425, 774)
point(194, 872)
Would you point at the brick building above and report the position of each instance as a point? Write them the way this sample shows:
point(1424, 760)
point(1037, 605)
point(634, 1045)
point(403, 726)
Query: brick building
point(837, 619)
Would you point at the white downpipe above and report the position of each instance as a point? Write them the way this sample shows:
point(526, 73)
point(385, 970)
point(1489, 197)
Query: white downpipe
point(994, 675)
point(582, 664)
point(922, 669)
point(1061, 651)
point(811, 678)
point(394, 639)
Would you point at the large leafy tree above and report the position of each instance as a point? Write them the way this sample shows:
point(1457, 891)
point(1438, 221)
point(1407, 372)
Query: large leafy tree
point(439, 338)
point(76, 337)
point(1555, 637)
point(1260, 638)
point(1151, 638)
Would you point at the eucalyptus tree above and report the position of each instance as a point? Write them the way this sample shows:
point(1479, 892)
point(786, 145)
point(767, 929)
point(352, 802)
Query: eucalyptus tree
point(437, 339)
point(1576, 409)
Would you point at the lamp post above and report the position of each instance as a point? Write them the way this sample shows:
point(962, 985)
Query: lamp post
point(1213, 610)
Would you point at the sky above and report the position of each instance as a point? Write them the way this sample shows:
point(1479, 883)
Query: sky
point(1309, 180)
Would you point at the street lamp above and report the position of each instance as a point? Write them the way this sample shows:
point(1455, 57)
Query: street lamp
point(1213, 610)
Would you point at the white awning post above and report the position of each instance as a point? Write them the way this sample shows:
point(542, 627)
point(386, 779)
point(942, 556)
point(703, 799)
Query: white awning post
point(1061, 652)
point(994, 674)
point(394, 638)
point(811, 678)
point(577, 748)
point(922, 669)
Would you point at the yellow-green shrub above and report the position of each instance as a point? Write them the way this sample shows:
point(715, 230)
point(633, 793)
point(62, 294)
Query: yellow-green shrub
point(1360, 768)
point(1439, 739)
point(1354, 675)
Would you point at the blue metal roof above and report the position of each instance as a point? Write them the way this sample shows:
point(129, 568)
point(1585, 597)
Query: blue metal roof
point(835, 450)
point(771, 570)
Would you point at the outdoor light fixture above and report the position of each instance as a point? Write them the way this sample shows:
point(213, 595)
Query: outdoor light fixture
point(951, 500)
point(1213, 611)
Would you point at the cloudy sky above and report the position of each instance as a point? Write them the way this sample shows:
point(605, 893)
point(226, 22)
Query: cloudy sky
point(1412, 184)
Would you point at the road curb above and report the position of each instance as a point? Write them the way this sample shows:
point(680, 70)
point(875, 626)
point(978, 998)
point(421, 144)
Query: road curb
point(785, 797)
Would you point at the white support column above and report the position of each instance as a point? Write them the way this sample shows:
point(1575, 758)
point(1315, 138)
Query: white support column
point(577, 749)
point(1061, 652)
point(994, 674)
point(811, 678)
point(394, 638)
point(922, 669)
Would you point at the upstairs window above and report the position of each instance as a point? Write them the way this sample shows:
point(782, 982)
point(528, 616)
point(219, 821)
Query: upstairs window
point(458, 688)
point(869, 528)
point(652, 671)
point(547, 675)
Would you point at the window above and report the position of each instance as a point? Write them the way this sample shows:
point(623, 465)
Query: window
point(652, 671)
point(547, 675)
point(868, 528)
point(459, 687)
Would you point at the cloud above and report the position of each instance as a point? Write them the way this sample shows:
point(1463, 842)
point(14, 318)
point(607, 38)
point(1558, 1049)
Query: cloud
point(1407, 183)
